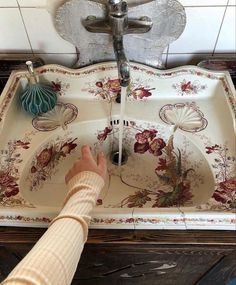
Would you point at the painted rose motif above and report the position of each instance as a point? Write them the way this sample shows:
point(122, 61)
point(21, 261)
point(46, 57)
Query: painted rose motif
point(8, 185)
point(189, 88)
point(141, 147)
point(99, 202)
point(44, 163)
point(213, 148)
point(140, 93)
point(9, 173)
point(24, 145)
point(185, 116)
point(56, 86)
point(146, 141)
point(108, 88)
point(156, 146)
point(225, 192)
point(228, 185)
point(59, 86)
point(145, 136)
point(67, 147)
point(113, 85)
point(44, 157)
point(102, 135)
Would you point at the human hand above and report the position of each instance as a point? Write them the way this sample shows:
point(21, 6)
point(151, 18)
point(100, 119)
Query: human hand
point(88, 163)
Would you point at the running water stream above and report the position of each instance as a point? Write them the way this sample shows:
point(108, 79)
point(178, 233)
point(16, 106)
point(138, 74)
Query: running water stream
point(121, 122)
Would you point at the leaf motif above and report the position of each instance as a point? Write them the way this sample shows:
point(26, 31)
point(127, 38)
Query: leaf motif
point(179, 164)
point(164, 178)
point(164, 200)
point(171, 171)
point(170, 146)
point(139, 199)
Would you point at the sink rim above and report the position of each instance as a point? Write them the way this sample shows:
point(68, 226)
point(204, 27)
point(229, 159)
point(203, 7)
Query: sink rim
point(16, 75)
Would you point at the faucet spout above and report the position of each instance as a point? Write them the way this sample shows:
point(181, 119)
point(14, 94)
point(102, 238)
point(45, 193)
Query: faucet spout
point(118, 20)
point(117, 24)
point(122, 61)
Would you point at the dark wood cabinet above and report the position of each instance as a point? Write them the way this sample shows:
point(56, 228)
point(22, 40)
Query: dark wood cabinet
point(126, 257)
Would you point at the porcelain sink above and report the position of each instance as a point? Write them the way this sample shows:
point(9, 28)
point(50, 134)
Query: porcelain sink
point(178, 140)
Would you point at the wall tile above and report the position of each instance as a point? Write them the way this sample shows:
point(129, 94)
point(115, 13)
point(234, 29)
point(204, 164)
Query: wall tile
point(68, 60)
point(174, 60)
point(8, 3)
point(201, 31)
point(232, 2)
point(16, 55)
point(203, 2)
point(42, 33)
point(227, 38)
point(13, 37)
point(32, 3)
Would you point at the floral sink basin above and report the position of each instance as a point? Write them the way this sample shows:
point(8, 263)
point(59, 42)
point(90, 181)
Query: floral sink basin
point(179, 147)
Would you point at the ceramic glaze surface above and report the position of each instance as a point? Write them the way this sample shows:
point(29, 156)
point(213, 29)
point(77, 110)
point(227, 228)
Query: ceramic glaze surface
point(180, 171)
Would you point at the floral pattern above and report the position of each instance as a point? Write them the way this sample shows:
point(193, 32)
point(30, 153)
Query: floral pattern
point(102, 135)
point(146, 141)
point(10, 160)
point(26, 219)
point(175, 187)
point(223, 185)
point(60, 87)
point(173, 179)
point(110, 88)
point(224, 165)
point(104, 89)
point(140, 92)
point(44, 163)
point(189, 88)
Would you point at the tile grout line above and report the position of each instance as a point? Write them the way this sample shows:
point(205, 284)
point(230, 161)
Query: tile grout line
point(217, 38)
point(182, 213)
point(22, 18)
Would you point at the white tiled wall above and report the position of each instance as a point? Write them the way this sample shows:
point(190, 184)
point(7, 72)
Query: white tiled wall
point(26, 27)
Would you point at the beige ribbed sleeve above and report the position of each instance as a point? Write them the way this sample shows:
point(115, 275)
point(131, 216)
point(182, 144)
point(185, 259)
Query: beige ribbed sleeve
point(54, 258)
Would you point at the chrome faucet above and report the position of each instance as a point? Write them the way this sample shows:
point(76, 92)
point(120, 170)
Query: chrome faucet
point(117, 24)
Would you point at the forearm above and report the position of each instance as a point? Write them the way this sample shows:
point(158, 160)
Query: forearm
point(54, 258)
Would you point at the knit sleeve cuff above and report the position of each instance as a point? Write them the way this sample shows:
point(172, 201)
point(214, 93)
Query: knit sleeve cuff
point(86, 177)
point(85, 180)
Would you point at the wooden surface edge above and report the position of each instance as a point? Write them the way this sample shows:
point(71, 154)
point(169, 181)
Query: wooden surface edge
point(193, 237)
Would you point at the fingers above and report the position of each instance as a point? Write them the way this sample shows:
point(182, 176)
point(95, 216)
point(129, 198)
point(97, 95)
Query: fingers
point(67, 177)
point(86, 152)
point(88, 163)
point(101, 161)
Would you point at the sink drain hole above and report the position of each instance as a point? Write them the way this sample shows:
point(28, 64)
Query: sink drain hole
point(114, 157)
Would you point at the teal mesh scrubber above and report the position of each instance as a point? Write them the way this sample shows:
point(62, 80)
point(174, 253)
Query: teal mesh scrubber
point(37, 98)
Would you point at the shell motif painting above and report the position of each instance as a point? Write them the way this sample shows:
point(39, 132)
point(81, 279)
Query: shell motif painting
point(60, 116)
point(185, 116)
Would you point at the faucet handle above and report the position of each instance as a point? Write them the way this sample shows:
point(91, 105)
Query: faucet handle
point(117, 8)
